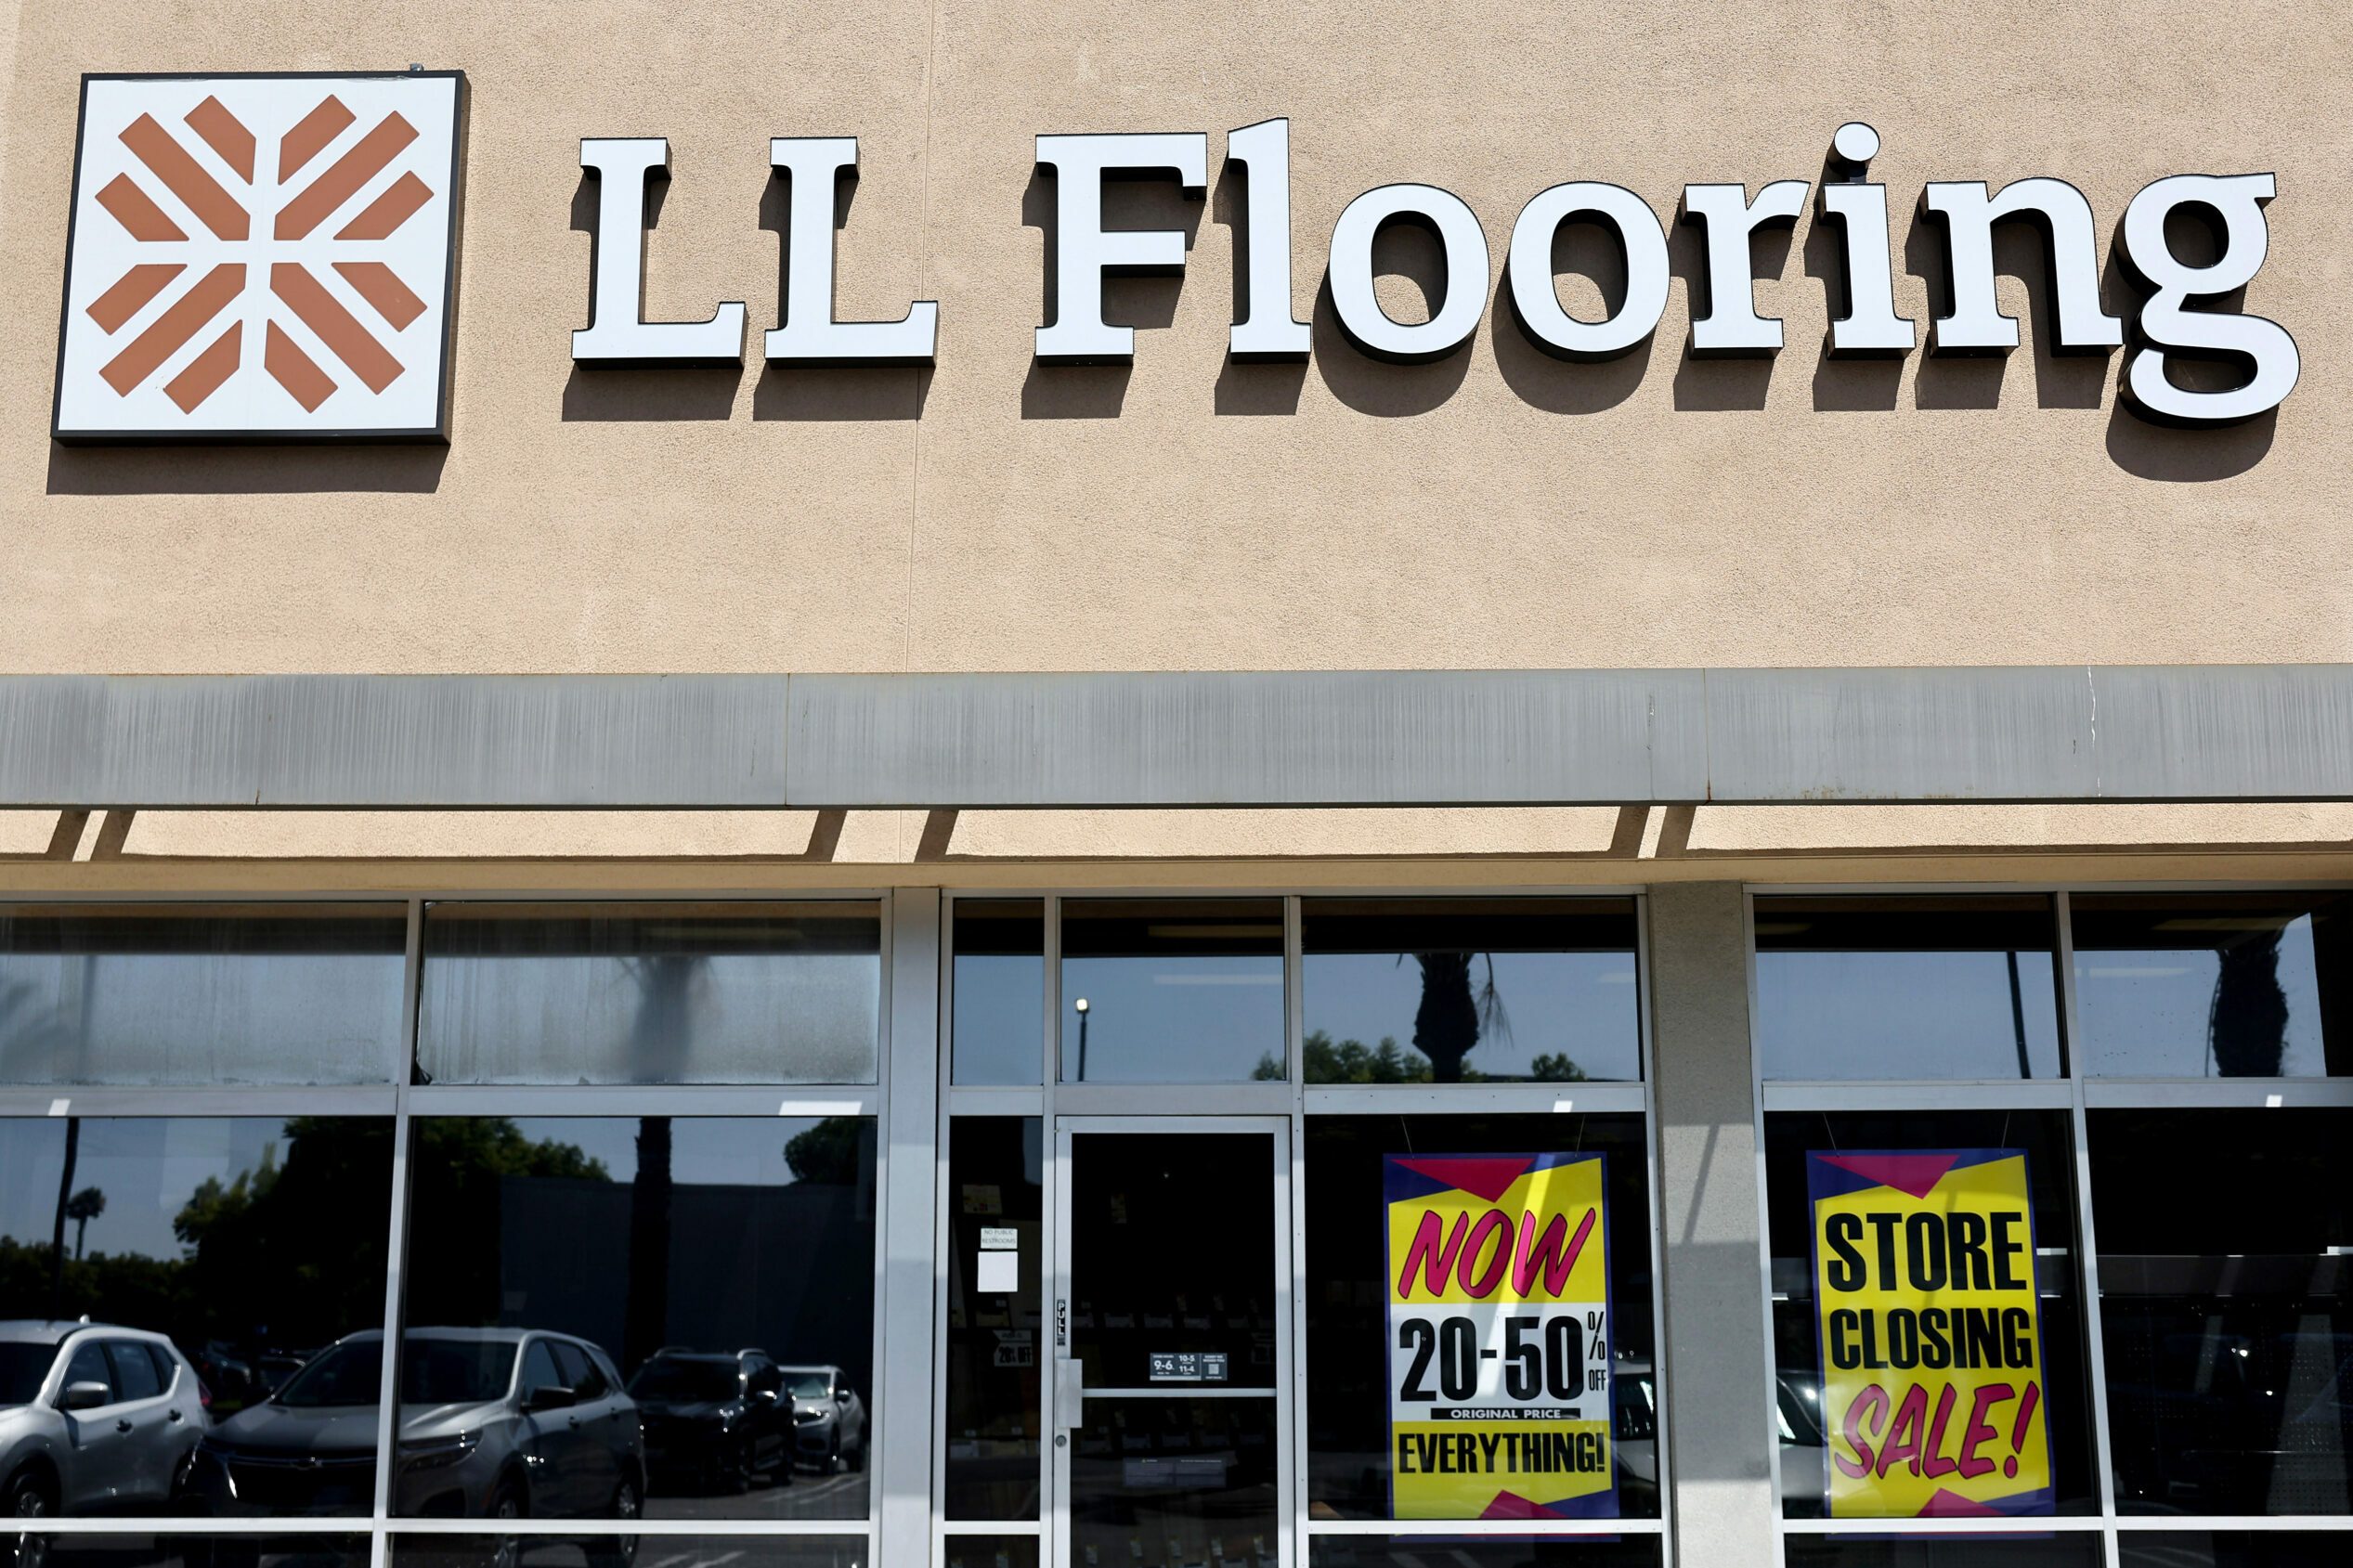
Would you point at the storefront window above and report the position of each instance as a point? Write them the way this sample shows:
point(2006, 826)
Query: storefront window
point(995, 1318)
point(1908, 987)
point(1484, 1338)
point(2220, 985)
point(1180, 990)
point(1451, 990)
point(707, 1355)
point(170, 1291)
point(2226, 1307)
point(2233, 1549)
point(130, 1549)
point(1959, 1550)
point(166, 994)
point(627, 1551)
point(1484, 1551)
point(991, 1552)
point(999, 1026)
point(651, 993)
point(1927, 1315)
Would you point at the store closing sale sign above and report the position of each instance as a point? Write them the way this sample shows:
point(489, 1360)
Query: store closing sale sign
point(1499, 1337)
point(1931, 1341)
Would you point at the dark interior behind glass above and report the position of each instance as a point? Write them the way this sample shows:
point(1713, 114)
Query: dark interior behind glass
point(2226, 1254)
point(995, 1186)
point(1347, 1342)
point(2043, 1135)
point(2080, 1549)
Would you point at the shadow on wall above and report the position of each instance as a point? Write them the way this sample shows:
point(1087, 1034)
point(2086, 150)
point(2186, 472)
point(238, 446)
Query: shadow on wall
point(1247, 387)
point(1099, 392)
point(243, 471)
point(1360, 382)
point(780, 393)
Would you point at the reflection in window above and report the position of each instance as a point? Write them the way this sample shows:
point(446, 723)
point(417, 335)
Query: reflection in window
point(994, 1551)
point(999, 1028)
point(1483, 1551)
point(2235, 1549)
point(1172, 1483)
point(651, 993)
point(709, 1352)
point(1904, 987)
point(273, 1551)
point(2220, 985)
point(259, 993)
point(1807, 1431)
point(1348, 1330)
point(1453, 990)
point(165, 1283)
point(621, 1551)
point(2080, 1549)
point(996, 1315)
point(1175, 992)
point(2225, 1237)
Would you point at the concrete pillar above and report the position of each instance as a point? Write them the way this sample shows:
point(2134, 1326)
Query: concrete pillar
point(900, 1403)
point(1719, 1400)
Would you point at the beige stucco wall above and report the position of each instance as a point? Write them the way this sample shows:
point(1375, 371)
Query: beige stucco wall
point(1499, 509)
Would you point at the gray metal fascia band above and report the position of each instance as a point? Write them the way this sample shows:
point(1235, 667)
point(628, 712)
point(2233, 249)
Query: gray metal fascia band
point(391, 741)
point(1305, 738)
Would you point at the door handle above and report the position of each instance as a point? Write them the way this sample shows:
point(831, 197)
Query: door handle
point(1070, 1393)
point(174, 1416)
point(122, 1426)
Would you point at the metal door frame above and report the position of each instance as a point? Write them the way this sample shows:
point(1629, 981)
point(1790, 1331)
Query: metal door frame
point(1057, 1392)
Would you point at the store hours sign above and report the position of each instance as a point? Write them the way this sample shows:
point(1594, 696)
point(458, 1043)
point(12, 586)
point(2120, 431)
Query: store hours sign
point(1500, 1331)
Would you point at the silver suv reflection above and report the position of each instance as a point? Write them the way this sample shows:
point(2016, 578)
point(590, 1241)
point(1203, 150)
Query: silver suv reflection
point(500, 1423)
point(93, 1419)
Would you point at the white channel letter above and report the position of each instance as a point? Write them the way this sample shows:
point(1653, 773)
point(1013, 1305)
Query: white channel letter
point(1529, 269)
point(1868, 327)
point(1966, 215)
point(1462, 242)
point(2170, 328)
point(815, 166)
point(1084, 252)
point(1268, 330)
point(617, 335)
point(1725, 325)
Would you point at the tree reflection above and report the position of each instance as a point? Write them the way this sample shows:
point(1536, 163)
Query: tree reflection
point(2248, 1025)
point(81, 1207)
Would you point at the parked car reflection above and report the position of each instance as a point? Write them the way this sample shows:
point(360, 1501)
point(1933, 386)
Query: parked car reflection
point(497, 1423)
point(830, 1420)
point(715, 1420)
point(93, 1418)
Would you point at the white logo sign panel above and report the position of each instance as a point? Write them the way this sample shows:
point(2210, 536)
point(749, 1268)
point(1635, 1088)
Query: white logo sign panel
point(261, 258)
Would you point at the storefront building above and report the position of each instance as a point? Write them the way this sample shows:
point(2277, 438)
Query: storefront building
point(1011, 788)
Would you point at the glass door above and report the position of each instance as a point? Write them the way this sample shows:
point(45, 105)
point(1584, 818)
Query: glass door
point(1172, 1343)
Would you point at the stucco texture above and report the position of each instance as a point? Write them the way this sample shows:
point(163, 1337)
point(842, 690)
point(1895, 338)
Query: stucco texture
point(1496, 508)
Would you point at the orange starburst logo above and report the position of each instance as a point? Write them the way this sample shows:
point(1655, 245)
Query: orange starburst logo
point(260, 255)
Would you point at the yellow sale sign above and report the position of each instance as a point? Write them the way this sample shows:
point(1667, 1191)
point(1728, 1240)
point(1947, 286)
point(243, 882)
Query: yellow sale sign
point(1499, 1337)
point(1931, 1342)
